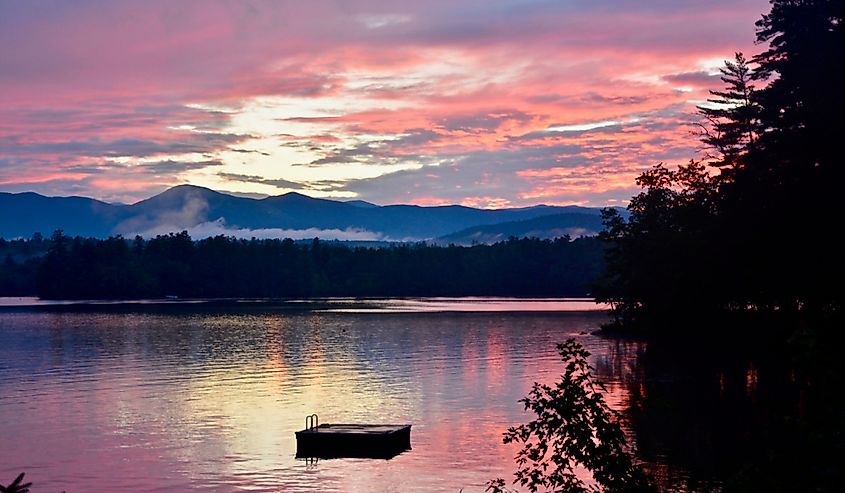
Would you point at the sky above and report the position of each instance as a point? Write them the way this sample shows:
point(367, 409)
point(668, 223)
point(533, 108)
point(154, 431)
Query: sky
point(485, 103)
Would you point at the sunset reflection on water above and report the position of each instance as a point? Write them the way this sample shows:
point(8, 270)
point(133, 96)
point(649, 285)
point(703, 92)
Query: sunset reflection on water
point(209, 399)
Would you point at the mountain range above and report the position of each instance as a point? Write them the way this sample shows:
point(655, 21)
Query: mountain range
point(204, 212)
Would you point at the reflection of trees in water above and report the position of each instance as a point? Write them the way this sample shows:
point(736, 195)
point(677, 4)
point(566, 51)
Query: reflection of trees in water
point(738, 416)
point(614, 363)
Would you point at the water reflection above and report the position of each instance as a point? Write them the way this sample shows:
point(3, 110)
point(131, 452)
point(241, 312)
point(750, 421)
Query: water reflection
point(151, 400)
point(208, 398)
point(708, 415)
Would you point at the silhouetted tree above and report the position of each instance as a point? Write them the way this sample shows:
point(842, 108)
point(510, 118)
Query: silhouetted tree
point(658, 261)
point(732, 115)
point(176, 265)
point(804, 67)
point(16, 486)
point(574, 428)
point(751, 238)
point(796, 175)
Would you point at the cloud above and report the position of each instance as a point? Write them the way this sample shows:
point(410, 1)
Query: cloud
point(284, 184)
point(413, 101)
point(249, 151)
point(191, 212)
point(484, 121)
point(377, 21)
point(219, 227)
point(170, 166)
point(697, 79)
point(94, 147)
point(279, 183)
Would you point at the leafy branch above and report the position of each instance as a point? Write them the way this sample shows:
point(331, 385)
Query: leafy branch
point(574, 429)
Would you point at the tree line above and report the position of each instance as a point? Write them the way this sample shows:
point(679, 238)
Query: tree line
point(177, 265)
point(19, 261)
point(751, 226)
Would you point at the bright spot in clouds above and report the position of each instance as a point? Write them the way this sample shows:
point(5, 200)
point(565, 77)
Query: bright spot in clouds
point(579, 127)
point(381, 20)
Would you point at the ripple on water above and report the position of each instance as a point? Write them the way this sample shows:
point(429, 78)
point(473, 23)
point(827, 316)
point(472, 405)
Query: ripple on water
point(209, 400)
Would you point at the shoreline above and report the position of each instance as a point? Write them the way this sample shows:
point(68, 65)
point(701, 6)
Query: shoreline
point(468, 304)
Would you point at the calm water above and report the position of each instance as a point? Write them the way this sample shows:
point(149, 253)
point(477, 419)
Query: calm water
point(197, 397)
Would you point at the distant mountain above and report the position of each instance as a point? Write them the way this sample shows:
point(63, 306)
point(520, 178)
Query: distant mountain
point(204, 212)
point(360, 203)
point(544, 227)
point(22, 214)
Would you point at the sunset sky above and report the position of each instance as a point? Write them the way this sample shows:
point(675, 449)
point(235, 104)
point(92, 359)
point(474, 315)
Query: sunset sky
point(487, 103)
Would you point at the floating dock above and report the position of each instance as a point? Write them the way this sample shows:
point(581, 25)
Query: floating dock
point(328, 441)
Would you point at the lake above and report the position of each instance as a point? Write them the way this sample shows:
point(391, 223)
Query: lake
point(207, 396)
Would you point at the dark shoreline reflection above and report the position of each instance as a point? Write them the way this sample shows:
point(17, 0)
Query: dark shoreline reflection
point(727, 414)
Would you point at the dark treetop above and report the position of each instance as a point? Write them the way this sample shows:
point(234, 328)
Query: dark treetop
point(175, 265)
point(752, 234)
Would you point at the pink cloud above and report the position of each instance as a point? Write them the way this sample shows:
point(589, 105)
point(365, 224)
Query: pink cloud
point(496, 90)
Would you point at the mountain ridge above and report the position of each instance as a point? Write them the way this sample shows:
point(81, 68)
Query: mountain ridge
point(207, 211)
point(543, 227)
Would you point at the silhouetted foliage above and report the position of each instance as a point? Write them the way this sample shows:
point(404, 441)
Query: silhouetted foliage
point(732, 117)
point(659, 260)
point(574, 428)
point(750, 237)
point(219, 267)
point(19, 261)
point(16, 486)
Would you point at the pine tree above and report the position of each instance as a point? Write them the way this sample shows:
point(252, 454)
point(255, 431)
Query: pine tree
point(800, 166)
point(804, 65)
point(732, 115)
